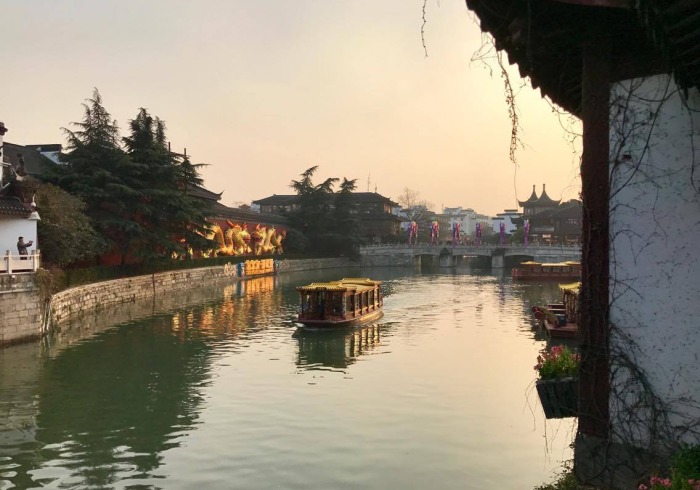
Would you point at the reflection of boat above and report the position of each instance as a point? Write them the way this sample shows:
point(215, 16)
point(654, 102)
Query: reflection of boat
point(538, 270)
point(338, 303)
point(335, 348)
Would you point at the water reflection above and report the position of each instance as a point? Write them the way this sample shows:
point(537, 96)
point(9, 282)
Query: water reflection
point(106, 411)
point(336, 348)
point(209, 388)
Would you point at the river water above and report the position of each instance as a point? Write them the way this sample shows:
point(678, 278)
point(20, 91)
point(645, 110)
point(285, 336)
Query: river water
point(218, 390)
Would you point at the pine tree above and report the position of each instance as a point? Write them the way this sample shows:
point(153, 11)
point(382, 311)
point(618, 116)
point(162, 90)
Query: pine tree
point(171, 217)
point(98, 171)
point(325, 217)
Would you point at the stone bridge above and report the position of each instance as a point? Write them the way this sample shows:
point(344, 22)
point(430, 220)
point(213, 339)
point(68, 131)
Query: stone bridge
point(448, 256)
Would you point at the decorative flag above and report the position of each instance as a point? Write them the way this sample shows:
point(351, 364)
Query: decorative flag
point(526, 229)
point(434, 232)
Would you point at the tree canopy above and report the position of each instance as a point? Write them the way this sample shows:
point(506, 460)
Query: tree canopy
point(325, 217)
point(135, 189)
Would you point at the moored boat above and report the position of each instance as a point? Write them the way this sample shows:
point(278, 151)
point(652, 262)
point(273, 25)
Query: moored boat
point(559, 319)
point(537, 270)
point(347, 301)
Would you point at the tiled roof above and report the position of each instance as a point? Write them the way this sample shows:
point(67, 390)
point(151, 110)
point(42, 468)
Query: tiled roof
point(218, 210)
point(34, 162)
point(532, 199)
point(289, 199)
point(46, 148)
point(199, 191)
point(12, 206)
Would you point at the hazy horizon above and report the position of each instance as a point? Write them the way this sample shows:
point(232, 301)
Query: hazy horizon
point(262, 91)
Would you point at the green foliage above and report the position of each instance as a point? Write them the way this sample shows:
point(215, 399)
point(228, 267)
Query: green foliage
point(557, 362)
point(136, 199)
point(98, 171)
point(686, 466)
point(327, 219)
point(171, 219)
point(65, 233)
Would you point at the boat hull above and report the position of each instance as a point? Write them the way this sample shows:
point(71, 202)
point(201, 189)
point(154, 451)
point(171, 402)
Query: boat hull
point(346, 322)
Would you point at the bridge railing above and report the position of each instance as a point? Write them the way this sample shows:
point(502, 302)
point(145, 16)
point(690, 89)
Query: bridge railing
point(485, 246)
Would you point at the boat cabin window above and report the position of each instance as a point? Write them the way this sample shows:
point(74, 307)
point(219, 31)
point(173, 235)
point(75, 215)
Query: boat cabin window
point(306, 302)
point(337, 302)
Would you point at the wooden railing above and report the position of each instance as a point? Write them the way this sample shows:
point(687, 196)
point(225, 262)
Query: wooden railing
point(12, 264)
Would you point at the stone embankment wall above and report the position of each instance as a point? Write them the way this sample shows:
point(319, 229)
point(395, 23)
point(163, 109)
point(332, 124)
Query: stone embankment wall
point(20, 311)
point(78, 301)
point(22, 316)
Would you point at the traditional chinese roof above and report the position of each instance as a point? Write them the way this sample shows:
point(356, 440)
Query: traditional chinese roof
point(545, 38)
point(290, 199)
point(278, 200)
point(34, 162)
point(201, 192)
point(545, 200)
point(51, 147)
point(531, 200)
point(218, 210)
point(12, 206)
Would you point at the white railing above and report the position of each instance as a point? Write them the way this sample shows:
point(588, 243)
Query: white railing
point(11, 264)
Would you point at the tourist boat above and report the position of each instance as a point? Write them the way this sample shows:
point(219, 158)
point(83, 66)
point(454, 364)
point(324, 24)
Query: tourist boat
point(345, 302)
point(538, 270)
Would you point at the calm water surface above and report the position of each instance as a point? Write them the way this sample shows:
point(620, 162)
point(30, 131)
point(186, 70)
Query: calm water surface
point(215, 389)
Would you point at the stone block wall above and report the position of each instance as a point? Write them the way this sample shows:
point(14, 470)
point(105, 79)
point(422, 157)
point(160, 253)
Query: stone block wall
point(80, 300)
point(92, 297)
point(20, 311)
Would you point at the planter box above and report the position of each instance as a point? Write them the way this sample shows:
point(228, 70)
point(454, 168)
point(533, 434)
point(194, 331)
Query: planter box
point(559, 397)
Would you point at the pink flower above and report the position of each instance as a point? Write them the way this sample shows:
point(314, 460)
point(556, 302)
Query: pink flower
point(642, 486)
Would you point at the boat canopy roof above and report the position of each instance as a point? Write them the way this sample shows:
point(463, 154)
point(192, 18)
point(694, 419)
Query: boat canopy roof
point(530, 262)
point(571, 288)
point(345, 284)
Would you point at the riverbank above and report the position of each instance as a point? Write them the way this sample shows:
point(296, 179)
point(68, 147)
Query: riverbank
point(26, 318)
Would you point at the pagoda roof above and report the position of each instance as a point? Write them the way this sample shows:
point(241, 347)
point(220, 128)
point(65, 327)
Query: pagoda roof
point(545, 200)
point(531, 200)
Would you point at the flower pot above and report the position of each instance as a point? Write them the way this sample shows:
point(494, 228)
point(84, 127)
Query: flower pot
point(559, 397)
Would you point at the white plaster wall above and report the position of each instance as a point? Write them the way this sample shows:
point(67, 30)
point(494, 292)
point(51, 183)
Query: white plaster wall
point(13, 228)
point(654, 265)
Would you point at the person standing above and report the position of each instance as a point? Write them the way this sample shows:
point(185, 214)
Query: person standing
point(22, 246)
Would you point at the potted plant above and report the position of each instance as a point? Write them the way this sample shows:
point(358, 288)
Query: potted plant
point(557, 383)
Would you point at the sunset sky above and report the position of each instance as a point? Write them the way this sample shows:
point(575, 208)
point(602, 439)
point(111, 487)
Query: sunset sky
point(261, 90)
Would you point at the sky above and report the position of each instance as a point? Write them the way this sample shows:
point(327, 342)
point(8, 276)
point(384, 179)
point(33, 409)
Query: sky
point(261, 90)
